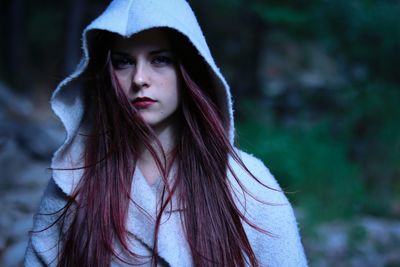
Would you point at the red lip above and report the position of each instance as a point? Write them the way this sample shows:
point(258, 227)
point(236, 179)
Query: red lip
point(143, 102)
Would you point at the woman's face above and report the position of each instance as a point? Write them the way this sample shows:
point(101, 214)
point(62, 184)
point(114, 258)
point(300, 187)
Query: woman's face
point(146, 70)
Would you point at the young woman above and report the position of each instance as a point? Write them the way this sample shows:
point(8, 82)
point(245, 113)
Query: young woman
point(148, 174)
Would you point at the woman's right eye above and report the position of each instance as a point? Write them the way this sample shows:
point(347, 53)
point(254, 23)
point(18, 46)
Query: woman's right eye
point(121, 62)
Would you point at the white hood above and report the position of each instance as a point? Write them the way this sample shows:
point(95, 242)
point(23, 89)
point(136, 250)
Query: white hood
point(125, 17)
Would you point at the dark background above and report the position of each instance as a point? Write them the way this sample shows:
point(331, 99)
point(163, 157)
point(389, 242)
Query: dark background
point(316, 86)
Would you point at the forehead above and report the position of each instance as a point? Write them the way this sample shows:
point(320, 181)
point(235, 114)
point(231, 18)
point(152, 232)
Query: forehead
point(150, 39)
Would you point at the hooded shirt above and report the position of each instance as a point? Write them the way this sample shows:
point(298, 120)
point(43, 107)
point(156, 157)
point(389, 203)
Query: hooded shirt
point(126, 18)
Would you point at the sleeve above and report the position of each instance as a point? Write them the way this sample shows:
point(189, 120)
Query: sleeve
point(43, 242)
point(268, 208)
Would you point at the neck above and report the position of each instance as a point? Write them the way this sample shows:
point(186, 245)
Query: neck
point(146, 162)
point(166, 138)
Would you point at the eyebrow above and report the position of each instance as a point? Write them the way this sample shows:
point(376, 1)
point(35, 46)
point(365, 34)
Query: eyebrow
point(153, 52)
point(159, 51)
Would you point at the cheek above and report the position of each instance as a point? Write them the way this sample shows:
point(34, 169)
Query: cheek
point(175, 92)
point(124, 82)
point(170, 88)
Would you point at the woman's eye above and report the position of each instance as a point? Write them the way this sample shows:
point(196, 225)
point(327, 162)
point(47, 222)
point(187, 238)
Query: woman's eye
point(121, 63)
point(162, 60)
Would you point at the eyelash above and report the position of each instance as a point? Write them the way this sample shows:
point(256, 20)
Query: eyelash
point(121, 63)
point(162, 60)
point(125, 62)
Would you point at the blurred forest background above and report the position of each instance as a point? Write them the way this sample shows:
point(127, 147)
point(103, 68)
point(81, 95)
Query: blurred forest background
point(316, 85)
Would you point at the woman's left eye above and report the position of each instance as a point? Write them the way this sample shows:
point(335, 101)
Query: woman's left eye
point(162, 60)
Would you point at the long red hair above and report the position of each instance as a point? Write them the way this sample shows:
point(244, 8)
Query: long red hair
point(211, 220)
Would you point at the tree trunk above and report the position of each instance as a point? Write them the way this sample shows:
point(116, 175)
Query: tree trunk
point(74, 29)
point(17, 56)
point(247, 80)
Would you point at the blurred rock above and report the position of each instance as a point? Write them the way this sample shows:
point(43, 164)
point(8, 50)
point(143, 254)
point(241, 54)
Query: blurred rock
point(287, 63)
point(367, 242)
point(19, 169)
point(39, 139)
point(26, 147)
point(2, 242)
point(12, 256)
point(23, 200)
point(35, 175)
point(20, 229)
point(13, 103)
point(12, 161)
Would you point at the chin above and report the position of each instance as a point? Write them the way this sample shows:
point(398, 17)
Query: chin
point(152, 123)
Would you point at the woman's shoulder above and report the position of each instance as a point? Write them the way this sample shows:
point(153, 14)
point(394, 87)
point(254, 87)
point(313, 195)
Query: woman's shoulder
point(252, 163)
point(265, 204)
point(254, 184)
point(44, 237)
point(255, 176)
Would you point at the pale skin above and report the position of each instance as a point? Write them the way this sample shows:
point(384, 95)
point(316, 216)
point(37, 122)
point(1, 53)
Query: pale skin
point(146, 71)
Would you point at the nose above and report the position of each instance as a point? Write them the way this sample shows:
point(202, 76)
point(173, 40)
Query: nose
point(141, 77)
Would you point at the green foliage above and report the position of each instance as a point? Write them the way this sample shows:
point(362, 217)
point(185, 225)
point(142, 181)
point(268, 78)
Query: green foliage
point(39, 22)
point(372, 120)
point(340, 164)
point(310, 163)
point(365, 31)
point(280, 15)
point(229, 4)
point(357, 235)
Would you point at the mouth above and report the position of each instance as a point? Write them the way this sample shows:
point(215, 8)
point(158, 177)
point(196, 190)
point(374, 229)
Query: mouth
point(143, 102)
